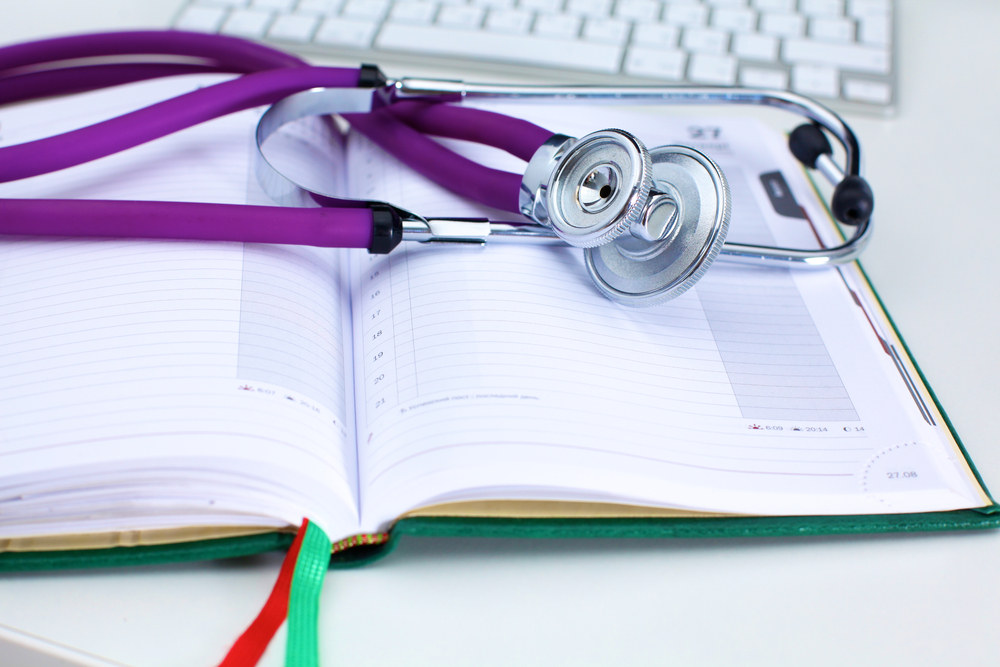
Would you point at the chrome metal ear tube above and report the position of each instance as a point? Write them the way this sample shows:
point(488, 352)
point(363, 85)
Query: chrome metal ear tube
point(316, 102)
point(803, 106)
point(736, 252)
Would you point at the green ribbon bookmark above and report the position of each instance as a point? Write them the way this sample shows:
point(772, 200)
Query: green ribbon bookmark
point(302, 649)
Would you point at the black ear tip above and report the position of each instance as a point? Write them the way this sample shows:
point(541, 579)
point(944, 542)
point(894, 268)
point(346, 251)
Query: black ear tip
point(807, 142)
point(852, 202)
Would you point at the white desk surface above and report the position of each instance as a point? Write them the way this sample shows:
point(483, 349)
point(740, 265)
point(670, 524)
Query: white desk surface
point(868, 600)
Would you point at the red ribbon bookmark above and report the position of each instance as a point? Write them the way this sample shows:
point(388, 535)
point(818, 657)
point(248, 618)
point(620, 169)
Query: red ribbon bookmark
point(249, 648)
point(296, 597)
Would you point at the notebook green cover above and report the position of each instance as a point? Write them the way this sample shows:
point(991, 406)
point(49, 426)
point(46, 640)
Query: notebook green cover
point(713, 528)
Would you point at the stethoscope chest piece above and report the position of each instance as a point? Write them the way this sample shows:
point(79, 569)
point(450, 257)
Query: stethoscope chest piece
point(679, 234)
point(650, 222)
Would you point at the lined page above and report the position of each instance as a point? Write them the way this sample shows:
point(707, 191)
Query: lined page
point(502, 373)
point(775, 359)
point(162, 383)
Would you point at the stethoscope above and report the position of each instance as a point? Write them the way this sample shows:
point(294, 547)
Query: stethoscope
point(650, 221)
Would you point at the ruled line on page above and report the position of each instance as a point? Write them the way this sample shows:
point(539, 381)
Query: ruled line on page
point(462, 325)
point(746, 304)
point(287, 340)
point(778, 365)
point(148, 423)
point(629, 436)
point(549, 445)
point(160, 407)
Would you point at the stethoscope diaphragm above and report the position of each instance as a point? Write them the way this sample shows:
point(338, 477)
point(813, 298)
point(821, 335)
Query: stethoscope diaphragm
point(687, 213)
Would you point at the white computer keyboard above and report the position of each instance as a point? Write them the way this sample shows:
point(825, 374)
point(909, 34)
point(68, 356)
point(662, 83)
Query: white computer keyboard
point(838, 51)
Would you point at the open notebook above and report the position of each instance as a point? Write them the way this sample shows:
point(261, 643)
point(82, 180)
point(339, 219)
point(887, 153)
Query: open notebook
point(169, 391)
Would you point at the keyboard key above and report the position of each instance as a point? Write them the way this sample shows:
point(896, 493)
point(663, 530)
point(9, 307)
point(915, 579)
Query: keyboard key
point(638, 10)
point(655, 63)
point(294, 28)
point(655, 34)
point(711, 69)
point(874, 30)
point(201, 19)
point(689, 15)
point(822, 7)
point(494, 4)
point(735, 20)
point(461, 17)
point(247, 23)
point(508, 20)
point(547, 6)
point(367, 10)
point(347, 32)
point(845, 56)
point(862, 8)
point(528, 49)
point(233, 4)
point(832, 30)
point(609, 31)
point(327, 7)
point(867, 91)
point(413, 12)
point(816, 80)
point(779, 6)
point(279, 6)
point(699, 40)
point(591, 8)
point(728, 3)
point(756, 47)
point(560, 26)
point(785, 25)
point(757, 77)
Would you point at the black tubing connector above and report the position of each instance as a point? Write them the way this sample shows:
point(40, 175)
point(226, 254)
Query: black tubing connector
point(852, 201)
point(807, 142)
point(387, 229)
point(370, 76)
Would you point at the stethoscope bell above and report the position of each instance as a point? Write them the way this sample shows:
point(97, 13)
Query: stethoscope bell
point(680, 233)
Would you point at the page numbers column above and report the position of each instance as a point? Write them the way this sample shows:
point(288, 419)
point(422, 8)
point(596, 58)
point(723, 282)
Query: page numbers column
point(389, 363)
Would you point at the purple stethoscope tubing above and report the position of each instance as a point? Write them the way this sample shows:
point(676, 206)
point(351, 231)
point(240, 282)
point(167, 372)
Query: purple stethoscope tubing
point(66, 65)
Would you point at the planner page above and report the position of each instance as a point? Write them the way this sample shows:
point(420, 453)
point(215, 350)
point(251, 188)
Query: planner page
point(500, 372)
point(158, 384)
